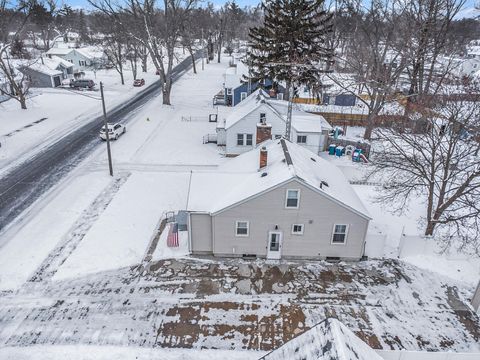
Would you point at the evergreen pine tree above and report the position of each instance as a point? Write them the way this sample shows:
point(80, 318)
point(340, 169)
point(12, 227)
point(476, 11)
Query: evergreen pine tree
point(293, 32)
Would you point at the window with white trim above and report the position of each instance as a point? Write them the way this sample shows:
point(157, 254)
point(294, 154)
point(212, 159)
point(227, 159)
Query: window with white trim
point(229, 91)
point(244, 139)
point(339, 234)
point(292, 198)
point(241, 228)
point(297, 229)
point(280, 96)
point(243, 96)
point(301, 139)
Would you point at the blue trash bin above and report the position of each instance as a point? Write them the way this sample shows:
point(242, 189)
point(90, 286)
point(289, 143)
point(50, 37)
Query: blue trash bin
point(339, 151)
point(331, 149)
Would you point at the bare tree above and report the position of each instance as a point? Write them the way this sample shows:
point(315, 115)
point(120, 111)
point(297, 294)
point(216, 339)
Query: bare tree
point(373, 56)
point(425, 27)
point(17, 83)
point(440, 165)
point(159, 30)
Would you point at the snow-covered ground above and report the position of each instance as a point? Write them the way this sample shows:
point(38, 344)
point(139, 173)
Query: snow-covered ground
point(85, 352)
point(53, 112)
point(74, 255)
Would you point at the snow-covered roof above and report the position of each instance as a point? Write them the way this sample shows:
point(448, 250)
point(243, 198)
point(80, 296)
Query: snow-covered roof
point(91, 52)
point(55, 62)
point(301, 121)
point(47, 67)
point(326, 341)
point(59, 51)
point(234, 75)
point(239, 178)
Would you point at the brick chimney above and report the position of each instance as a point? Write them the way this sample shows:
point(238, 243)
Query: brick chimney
point(264, 132)
point(263, 157)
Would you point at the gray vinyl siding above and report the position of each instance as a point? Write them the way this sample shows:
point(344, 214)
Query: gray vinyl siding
point(268, 210)
point(38, 79)
point(201, 233)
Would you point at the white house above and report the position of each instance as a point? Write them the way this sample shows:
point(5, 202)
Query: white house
point(276, 201)
point(259, 118)
point(465, 67)
point(82, 58)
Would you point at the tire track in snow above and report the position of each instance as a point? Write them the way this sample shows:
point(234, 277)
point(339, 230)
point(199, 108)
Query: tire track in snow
point(77, 232)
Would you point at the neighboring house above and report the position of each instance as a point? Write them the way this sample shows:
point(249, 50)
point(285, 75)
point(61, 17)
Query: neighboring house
point(328, 340)
point(47, 72)
point(236, 89)
point(465, 67)
point(41, 76)
point(259, 118)
point(57, 63)
point(82, 58)
point(277, 201)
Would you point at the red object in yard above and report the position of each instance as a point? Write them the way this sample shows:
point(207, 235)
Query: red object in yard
point(139, 82)
point(172, 238)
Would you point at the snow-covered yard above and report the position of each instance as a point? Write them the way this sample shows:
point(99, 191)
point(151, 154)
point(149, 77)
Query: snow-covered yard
point(70, 274)
point(53, 112)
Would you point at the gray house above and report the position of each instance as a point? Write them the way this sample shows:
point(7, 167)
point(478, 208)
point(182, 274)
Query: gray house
point(277, 201)
point(41, 76)
point(47, 72)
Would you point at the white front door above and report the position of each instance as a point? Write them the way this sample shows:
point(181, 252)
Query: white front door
point(274, 245)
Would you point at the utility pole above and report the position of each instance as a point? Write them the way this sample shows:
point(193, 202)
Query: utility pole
point(105, 123)
point(203, 53)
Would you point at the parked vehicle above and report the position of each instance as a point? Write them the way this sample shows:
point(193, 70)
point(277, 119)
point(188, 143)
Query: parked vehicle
point(114, 131)
point(82, 84)
point(138, 82)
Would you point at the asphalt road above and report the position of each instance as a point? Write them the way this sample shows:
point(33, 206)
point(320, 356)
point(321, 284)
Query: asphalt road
point(22, 186)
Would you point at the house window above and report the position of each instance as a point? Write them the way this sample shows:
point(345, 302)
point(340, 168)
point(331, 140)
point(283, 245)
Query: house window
point(301, 139)
point(244, 139)
point(229, 91)
point(280, 96)
point(292, 199)
point(339, 234)
point(297, 229)
point(240, 139)
point(241, 228)
point(243, 96)
point(263, 118)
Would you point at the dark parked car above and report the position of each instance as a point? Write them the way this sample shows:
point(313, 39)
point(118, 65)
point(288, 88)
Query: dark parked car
point(82, 83)
point(139, 82)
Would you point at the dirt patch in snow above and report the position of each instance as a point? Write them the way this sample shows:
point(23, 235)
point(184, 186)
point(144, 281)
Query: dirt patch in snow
point(240, 304)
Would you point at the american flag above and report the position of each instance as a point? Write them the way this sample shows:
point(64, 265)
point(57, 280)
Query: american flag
point(172, 238)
